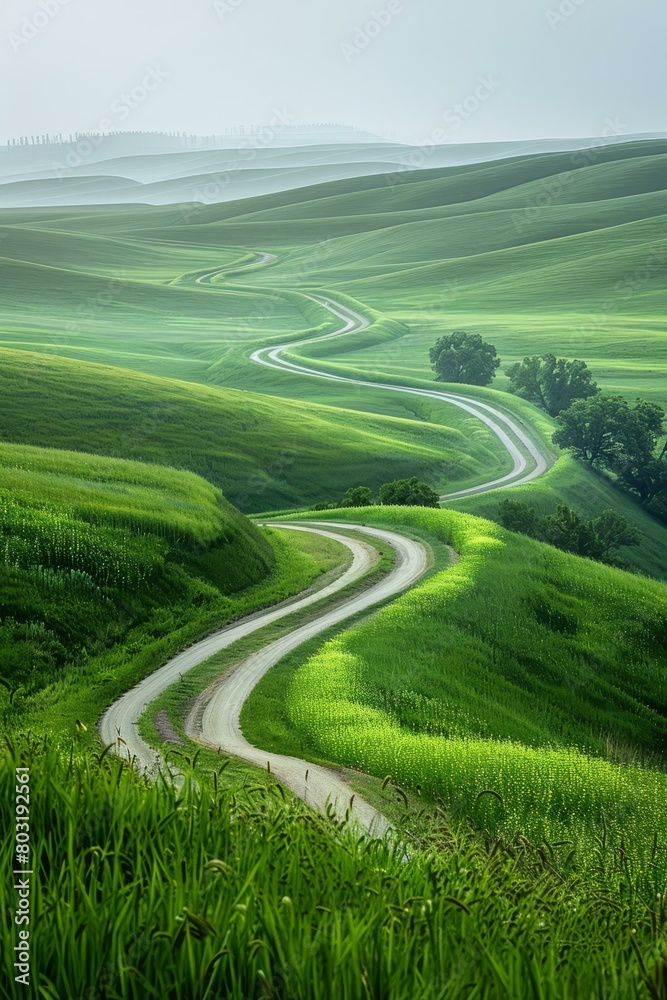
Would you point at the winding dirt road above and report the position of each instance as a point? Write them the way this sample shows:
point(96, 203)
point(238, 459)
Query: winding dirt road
point(529, 461)
point(528, 456)
point(215, 719)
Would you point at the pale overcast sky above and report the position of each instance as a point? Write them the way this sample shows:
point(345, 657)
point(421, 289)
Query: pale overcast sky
point(519, 68)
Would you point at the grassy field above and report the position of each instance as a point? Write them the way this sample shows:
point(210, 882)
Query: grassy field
point(558, 251)
point(232, 891)
point(521, 671)
point(589, 493)
point(516, 701)
point(108, 567)
point(231, 888)
point(263, 453)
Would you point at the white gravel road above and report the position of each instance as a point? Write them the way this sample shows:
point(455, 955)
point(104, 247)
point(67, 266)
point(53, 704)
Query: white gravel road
point(215, 718)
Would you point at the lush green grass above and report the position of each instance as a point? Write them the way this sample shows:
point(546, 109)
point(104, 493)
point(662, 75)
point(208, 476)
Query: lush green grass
point(161, 328)
point(566, 480)
point(235, 892)
point(588, 493)
point(263, 453)
point(521, 670)
point(559, 250)
point(108, 567)
point(553, 252)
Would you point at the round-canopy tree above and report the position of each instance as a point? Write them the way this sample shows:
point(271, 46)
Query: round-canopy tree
point(464, 357)
point(408, 493)
point(357, 496)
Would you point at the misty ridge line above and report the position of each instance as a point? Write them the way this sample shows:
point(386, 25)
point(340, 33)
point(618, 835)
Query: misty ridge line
point(121, 109)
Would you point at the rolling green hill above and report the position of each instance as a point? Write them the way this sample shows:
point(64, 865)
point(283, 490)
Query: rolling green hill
point(93, 548)
point(559, 250)
point(263, 453)
point(515, 703)
point(108, 567)
point(521, 670)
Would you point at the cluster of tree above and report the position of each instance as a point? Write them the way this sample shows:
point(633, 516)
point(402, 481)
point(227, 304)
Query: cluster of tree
point(566, 530)
point(550, 382)
point(603, 431)
point(399, 493)
point(606, 432)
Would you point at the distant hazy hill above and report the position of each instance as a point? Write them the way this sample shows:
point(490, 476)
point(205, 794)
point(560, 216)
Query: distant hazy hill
point(107, 170)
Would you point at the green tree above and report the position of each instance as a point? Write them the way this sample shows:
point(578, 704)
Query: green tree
point(606, 431)
point(635, 462)
point(464, 357)
point(358, 496)
point(566, 530)
point(613, 531)
point(550, 382)
point(515, 515)
point(408, 493)
point(590, 428)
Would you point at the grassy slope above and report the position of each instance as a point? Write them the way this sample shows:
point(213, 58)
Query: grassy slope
point(539, 253)
point(559, 248)
point(122, 318)
point(108, 566)
point(237, 893)
point(588, 493)
point(558, 251)
point(566, 481)
point(523, 918)
point(521, 669)
point(263, 453)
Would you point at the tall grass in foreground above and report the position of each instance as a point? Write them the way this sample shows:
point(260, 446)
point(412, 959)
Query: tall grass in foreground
point(240, 892)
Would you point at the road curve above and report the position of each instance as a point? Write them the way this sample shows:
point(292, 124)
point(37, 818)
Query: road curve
point(119, 723)
point(528, 460)
point(215, 719)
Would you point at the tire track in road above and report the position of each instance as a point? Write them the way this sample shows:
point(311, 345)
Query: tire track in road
point(215, 719)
